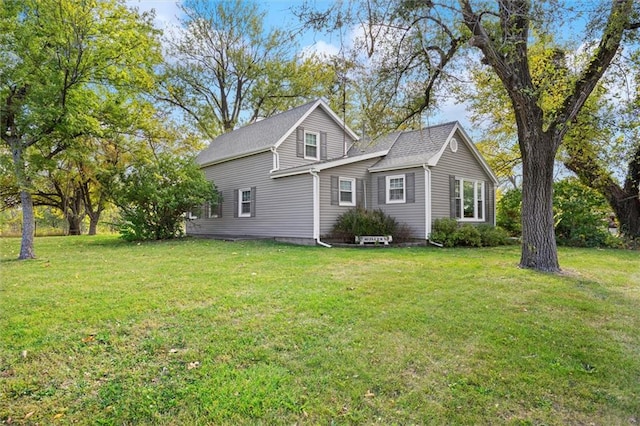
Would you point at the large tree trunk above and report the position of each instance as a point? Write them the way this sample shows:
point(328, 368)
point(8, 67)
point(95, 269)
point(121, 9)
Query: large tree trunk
point(539, 250)
point(75, 224)
point(93, 223)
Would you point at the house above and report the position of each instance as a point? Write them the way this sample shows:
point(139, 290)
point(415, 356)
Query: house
point(289, 177)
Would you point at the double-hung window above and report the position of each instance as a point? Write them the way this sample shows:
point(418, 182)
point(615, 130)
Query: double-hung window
point(347, 192)
point(396, 190)
point(244, 204)
point(311, 145)
point(469, 199)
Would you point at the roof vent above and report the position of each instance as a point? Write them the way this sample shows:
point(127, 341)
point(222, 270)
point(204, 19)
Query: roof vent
point(453, 145)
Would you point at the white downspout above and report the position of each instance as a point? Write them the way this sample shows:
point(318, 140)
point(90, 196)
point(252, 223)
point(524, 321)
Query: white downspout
point(316, 208)
point(427, 201)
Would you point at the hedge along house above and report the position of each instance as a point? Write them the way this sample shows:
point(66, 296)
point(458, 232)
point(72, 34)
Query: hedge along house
point(290, 176)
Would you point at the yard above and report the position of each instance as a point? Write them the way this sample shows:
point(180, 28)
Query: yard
point(99, 331)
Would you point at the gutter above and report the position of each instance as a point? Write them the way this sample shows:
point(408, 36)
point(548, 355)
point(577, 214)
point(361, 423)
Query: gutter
point(316, 208)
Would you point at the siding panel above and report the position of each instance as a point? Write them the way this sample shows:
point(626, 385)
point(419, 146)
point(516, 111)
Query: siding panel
point(461, 164)
point(283, 207)
point(328, 212)
point(411, 214)
point(318, 121)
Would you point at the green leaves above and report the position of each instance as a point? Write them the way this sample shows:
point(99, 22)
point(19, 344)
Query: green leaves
point(154, 196)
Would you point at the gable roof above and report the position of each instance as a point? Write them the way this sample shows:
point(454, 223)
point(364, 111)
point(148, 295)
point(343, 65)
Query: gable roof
point(263, 135)
point(425, 147)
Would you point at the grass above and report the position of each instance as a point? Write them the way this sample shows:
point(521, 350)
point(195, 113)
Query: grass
point(99, 331)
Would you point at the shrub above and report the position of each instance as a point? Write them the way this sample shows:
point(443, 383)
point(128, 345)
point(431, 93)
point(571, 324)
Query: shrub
point(450, 234)
point(508, 212)
point(468, 235)
point(492, 236)
point(360, 221)
point(580, 215)
point(443, 231)
point(153, 197)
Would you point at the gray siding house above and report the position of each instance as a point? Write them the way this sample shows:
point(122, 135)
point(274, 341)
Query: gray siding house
point(289, 177)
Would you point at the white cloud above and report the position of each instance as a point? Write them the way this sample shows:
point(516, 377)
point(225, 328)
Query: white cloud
point(167, 11)
point(320, 48)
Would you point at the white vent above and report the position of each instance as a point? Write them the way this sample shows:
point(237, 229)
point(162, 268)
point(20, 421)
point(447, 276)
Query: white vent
point(453, 145)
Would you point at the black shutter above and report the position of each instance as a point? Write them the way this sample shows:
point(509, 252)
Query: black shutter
point(360, 193)
point(382, 190)
point(300, 142)
point(489, 200)
point(235, 202)
point(323, 145)
point(218, 211)
point(410, 183)
point(452, 196)
point(335, 191)
point(253, 201)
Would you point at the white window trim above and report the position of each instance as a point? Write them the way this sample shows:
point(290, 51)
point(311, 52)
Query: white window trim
point(240, 202)
point(478, 216)
point(317, 134)
point(353, 192)
point(404, 189)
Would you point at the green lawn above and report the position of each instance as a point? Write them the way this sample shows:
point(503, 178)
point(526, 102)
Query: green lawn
point(99, 331)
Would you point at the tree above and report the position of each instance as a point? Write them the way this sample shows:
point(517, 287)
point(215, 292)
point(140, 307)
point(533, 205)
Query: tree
point(56, 54)
point(501, 33)
point(225, 67)
point(604, 131)
point(153, 196)
point(504, 45)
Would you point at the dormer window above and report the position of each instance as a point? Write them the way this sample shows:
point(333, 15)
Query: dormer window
point(311, 142)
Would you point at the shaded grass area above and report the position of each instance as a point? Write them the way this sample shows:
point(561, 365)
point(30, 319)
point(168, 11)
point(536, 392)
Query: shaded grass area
point(98, 331)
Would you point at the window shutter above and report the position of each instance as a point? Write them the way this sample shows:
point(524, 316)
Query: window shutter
point(253, 201)
point(410, 182)
point(300, 142)
point(382, 190)
point(235, 202)
point(452, 196)
point(323, 145)
point(335, 191)
point(218, 211)
point(359, 193)
point(489, 200)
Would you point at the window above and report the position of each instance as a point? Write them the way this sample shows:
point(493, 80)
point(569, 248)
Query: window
point(244, 206)
point(469, 199)
point(347, 192)
point(395, 189)
point(311, 145)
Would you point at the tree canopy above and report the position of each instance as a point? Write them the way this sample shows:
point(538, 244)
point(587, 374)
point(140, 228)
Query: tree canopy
point(60, 59)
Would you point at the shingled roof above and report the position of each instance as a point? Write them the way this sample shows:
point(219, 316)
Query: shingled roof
point(417, 147)
point(262, 135)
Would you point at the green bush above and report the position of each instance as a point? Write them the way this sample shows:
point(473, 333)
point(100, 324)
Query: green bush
point(580, 215)
point(360, 221)
point(450, 233)
point(468, 235)
point(444, 231)
point(153, 197)
point(492, 236)
point(508, 212)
